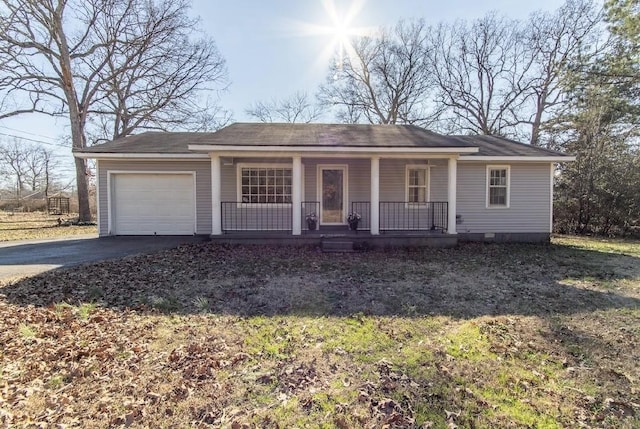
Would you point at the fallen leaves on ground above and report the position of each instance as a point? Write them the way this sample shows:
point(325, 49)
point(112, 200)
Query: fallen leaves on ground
point(246, 337)
point(41, 226)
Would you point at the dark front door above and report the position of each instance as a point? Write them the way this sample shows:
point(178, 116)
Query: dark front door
point(333, 195)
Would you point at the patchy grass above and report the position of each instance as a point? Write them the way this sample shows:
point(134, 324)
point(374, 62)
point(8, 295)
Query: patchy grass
point(38, 225)
point(606, 245)
point(243, 337)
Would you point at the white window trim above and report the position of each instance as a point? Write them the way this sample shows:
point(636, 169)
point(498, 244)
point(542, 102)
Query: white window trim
point(345, 190)
point(488, 181)
point(241, 165)
point(427, 169)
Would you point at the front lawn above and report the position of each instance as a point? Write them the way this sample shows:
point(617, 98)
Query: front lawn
point(41, 226)
point(209, 335)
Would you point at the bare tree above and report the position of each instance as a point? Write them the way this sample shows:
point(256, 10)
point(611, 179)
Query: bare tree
point(27, 166)
point(209, 117)
point(76, 58)
point(481, 73)
point(294, 109)
point(12, 160)
point(502, 76)
point(556, 39)
point(154, 75)
point(385, 79)
point(38, 168)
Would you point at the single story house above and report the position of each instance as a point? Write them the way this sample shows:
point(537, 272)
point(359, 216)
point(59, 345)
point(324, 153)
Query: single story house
point(302, 181)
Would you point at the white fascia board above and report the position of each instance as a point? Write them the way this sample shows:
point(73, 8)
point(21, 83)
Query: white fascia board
point(315, 151)
point(333, 155)
point(518, 158)
point(141, 156)
point(331, 149)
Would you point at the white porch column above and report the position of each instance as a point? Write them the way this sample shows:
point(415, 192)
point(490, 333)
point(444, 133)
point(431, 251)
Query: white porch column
point(216, 209)
point(296, 196)
point(452, 194)
point(375, 196)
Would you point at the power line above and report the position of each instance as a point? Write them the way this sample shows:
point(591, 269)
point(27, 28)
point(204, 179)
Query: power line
point(26, 132)
point(34, 140)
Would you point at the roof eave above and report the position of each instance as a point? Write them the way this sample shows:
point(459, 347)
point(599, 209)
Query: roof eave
point(331, 149)
point(519, 158)
point(122, 155)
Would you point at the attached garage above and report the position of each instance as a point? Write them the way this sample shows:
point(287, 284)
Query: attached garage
point(152, 203)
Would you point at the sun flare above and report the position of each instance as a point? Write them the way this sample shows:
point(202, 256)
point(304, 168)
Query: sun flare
point(342, 29)
point(337, 26)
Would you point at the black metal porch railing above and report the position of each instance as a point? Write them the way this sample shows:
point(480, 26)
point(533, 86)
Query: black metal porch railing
point(363, 208)
point(309, 208)
point(238, 216)
point(394, 216)
point(405, 216)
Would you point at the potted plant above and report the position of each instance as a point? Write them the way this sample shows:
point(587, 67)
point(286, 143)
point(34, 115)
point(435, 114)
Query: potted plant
point(353, 219)
point(312, 221)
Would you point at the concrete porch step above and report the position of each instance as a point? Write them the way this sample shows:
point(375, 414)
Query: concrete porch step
point(336, 246)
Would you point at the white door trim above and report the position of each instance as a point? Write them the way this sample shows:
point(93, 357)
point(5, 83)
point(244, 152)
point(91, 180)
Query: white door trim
point(345, 189)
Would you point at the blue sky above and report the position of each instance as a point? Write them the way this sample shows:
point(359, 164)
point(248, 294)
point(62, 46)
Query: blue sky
point(271, 51)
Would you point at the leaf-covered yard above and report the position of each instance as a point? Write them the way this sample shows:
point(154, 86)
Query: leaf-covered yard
point(208, 335)
point(40, 226)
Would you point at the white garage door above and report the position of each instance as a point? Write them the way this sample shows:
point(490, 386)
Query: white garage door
point(148, 204)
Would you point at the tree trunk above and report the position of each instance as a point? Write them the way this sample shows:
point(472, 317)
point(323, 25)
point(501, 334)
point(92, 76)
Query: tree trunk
point(77, 117)
point(19, 189)
point(46, 180)
point(537, 123)
point(84, 212)
point(78, 141)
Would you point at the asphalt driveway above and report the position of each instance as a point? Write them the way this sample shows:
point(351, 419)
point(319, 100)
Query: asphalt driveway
point(33, 257)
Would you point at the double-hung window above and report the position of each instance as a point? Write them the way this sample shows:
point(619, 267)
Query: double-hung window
point(265, 184)
point(498, 182)
point(417, 179)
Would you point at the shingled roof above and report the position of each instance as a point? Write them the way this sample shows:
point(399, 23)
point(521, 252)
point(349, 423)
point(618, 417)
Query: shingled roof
point(500, 146)
point(314, 135)
point(330, 135)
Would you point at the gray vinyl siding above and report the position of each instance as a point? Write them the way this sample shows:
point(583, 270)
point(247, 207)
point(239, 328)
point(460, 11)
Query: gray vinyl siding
point(394, 213)
point(393, 179)
point(529, 192)
point(439, 182)
point(360, 190)
point(529, 207)
point(202, 192)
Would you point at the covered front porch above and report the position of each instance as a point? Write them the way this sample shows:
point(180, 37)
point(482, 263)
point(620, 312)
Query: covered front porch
point(318, 196)
point(394, 180)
